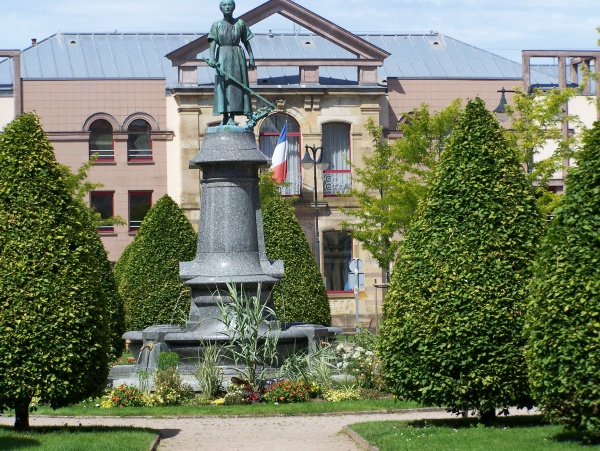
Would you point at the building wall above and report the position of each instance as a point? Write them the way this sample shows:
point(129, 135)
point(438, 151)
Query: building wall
point(64, 107)
point(7, 110)
point(406, 95)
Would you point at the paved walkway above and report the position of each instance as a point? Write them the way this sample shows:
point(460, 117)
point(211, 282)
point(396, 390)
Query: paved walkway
point(313, 433)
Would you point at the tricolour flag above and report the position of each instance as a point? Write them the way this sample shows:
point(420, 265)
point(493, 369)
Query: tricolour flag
point(279, 164)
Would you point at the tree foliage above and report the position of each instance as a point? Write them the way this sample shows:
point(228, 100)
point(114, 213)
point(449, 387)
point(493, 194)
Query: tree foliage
point(147, 273)
point(393, 179)
point(563, 321)
point(300, 295)
point(451, 330)
point(55, 339)
point(80, 186)
point(537, 119)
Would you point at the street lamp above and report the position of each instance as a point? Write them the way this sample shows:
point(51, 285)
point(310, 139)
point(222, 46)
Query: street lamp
point(313, 162)
point(501, 108)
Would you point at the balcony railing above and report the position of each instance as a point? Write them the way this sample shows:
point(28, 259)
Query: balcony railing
point(103, 154)
point(139, 154)
point(105, 229)
point(134, 225)
point(336, 182)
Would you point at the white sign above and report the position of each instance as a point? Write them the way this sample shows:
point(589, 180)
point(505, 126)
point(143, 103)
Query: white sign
point(356, 264)
point(352, 280)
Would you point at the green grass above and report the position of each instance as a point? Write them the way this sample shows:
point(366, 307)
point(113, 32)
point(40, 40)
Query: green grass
point(78, 438)
point(508, 434)
point(252, 409)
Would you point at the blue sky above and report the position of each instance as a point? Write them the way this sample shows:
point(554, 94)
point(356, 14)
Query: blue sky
point(503, 27)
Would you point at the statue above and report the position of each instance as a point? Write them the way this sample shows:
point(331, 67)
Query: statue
point(231, 94)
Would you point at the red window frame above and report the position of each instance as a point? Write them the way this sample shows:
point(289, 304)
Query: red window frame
point(111, 194)
point(134, 225)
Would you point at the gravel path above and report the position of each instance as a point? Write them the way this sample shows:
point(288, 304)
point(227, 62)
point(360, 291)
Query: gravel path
point(312, 433)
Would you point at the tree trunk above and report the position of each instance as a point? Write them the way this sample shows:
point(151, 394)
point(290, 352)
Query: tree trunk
point(488, 416)
point(22, 416)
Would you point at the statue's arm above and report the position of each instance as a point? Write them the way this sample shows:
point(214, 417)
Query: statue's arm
point(213, 48)
point(248, 47)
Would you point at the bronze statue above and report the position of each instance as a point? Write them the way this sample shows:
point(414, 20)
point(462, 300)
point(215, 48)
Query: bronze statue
point(232, 96)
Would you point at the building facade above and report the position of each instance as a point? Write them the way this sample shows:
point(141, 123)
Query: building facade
point(141, 104)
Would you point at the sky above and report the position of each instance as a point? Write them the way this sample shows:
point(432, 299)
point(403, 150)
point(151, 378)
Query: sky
point(503, 27)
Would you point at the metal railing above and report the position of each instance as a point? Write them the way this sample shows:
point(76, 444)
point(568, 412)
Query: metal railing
point(139, 154)
point(103, 154)
point(335, 183)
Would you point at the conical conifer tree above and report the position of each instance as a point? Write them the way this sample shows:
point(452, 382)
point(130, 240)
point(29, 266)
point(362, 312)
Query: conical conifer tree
point(452, 324)
point(54, 339)
point(563, 321)
point(147, 273)
point(300, 295)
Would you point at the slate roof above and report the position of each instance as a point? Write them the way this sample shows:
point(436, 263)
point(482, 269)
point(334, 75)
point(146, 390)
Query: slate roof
point(132, 56)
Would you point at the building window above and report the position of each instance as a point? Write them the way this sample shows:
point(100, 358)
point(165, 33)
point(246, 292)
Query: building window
point(336, 147)
point(101, 140)
point(269, 134)
point(139, 204)
point(103, 203)
point(337, 253)
point(139, 143)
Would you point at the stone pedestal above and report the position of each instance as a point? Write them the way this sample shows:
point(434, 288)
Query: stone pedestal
point(230, 253)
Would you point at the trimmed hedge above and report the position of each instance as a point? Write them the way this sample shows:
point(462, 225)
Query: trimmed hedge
point(563, 321)
point(54, 339)
point(147, 273)
point(452, 322)
point(301, 294)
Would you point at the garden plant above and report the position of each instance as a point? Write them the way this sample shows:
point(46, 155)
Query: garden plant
point(563, 319)
point(147, 273)
point(300, 296)
point(55, 339)
point(453, 316)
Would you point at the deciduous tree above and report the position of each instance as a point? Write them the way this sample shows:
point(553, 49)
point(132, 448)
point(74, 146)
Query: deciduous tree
point(147, 273)
point(563, 320)
point(391, 181)
point(300, 295)
point(54, 339)
point(451, 332)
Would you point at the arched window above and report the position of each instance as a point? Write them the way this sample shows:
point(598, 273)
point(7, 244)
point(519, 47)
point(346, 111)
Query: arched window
point(139, 143)
point(101, 140)
point(269, 134)
point(336, 151)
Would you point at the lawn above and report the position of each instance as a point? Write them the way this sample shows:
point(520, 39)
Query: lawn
point(78, 438)
point(305, 408)
point(508, 434)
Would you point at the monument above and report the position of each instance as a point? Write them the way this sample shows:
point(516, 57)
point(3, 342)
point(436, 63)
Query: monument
point(231, 248)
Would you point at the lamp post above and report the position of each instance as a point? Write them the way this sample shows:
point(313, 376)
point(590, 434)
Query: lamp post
point(313, 161)
point(501, 108)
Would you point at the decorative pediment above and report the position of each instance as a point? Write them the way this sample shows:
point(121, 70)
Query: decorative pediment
point(305, 18)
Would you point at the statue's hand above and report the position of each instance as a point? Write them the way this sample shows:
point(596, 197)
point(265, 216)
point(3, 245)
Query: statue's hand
point(212, 62)
point(251, 64)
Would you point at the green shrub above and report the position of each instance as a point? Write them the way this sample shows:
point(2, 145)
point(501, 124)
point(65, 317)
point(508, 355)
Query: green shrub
point(349, 393)
point(361, 361)
point(208, 372)
point(453, 316)
point(563, 321)
point(54, 343)
point(284, 392)
point(148, 271)
point(123, 396)
point(301, 294)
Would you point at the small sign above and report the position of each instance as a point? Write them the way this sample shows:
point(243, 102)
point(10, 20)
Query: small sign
point(356, 264)
point(352, 280)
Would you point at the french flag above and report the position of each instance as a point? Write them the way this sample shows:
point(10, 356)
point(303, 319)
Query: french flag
point(280, 154)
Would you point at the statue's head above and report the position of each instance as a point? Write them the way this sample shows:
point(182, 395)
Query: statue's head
point(227, 6)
